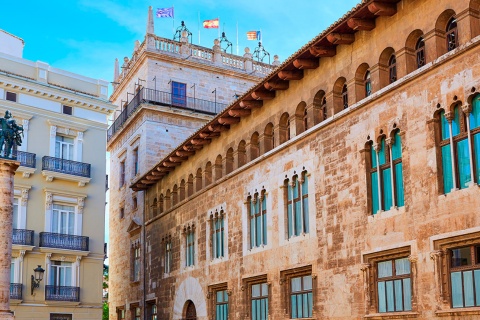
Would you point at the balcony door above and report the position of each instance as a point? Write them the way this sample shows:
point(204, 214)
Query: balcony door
point(179, 94)
point(61, 274)
point(63, 219)
point(64, 147)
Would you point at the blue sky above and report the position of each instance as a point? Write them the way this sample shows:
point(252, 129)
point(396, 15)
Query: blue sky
point(85, 36)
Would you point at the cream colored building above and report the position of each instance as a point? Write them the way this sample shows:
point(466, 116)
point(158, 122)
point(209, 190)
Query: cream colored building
point(59, 199)
point(164, 92)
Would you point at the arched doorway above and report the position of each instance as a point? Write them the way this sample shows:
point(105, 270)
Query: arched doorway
point(190, 311)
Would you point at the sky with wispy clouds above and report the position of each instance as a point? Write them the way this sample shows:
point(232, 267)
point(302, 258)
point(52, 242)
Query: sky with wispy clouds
point(85, 36)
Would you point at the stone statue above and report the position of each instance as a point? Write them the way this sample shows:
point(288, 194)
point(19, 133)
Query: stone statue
point(10, 134)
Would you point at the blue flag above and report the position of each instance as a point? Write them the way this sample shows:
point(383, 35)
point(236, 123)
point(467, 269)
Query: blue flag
point(165, 12)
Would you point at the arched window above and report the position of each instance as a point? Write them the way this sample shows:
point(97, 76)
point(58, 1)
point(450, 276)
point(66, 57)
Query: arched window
point(386, 174)
point(154, 208)
point(392, 69)
point(229, 161)
point(345, 96)
point(301, 118)
point(457, 128)
point(297, 205)
point(241, 154)
point(218, 168)
point(182, 190)
point(167, 200)
point(160, 204)
point(254, 146)
point(420, 52)
point(284, 128)
point(208, 173)
point(268, 137)
point(190, 185)
point(324, 109)
point(367, 84)
point(198, 180)
point(305, 118)
point(174, 195)
point(452, 34)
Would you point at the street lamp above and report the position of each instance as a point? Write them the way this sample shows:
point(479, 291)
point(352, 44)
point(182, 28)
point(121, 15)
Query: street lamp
point(37, 277)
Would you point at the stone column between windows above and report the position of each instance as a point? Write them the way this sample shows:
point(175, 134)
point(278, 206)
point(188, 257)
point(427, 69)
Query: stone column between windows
point(437, 256)
point(365, 268)
point(413, 265)
point(53, 134)
point(402, 57)
point(7, 172)
point(450, 116)
point(379, 190)
point(390, 142)
point(466, 22)
point(435, 44)
point(467, 109)
point(300, 196)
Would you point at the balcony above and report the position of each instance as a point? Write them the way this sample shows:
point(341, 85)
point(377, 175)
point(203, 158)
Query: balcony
point(15, 291)
point(63, 241)
point(23, 237)
point(164, 99)
point(27, 159)
point(62, 293)
point(66, 170)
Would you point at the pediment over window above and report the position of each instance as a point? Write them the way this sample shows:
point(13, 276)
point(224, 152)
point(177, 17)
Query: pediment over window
point(134, 227)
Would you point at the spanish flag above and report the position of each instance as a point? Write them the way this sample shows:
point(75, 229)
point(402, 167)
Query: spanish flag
point(254, 35)
point(211, 24)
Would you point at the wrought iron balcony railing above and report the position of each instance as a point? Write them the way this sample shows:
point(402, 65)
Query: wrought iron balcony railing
point(168, 99)
point(27, 159)
point(62, 293)
point(23, 237)
point(66, 166)
point(16, 291)
point(63, 241)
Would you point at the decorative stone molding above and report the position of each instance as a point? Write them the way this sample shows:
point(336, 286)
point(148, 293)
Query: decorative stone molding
point(49, 200)
point(51, 175)
point(53, 131)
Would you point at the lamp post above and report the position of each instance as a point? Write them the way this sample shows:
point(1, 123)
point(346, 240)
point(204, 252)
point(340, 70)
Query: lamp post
point(215, 91)
point(37, 277)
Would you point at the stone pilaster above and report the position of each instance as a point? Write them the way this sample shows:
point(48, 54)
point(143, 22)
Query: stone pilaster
point(7, 171)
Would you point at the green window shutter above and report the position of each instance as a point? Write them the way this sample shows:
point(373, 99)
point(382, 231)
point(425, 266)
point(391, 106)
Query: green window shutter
point(373, 156)
point(399, 185)
point(444, 125)
point(374, 183)
point(381, 153)
point(476, 155)
point(397, 146)
point(456, 122)
point(387, 189)
point(475, 114)
point(463, 162)
point(447, 169)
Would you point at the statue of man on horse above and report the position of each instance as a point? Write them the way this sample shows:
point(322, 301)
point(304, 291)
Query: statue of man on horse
point(10, 134)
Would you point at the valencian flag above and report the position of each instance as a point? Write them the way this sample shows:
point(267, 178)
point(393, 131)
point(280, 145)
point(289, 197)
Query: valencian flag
point(165, 12)
point(254, 35)
point(211, 24)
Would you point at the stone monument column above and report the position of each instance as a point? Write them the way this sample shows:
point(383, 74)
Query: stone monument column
point(7, 172)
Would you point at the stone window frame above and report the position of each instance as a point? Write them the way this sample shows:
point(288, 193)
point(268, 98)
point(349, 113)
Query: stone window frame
point(285, 283)
point(465, 133)
point(77, 200)
point(135, 247)
point(257, 196)
point(369, 271)
point(152, 309)
point(299, 180)
point(246, 287)
point(120, 311)
point(21, 193)
point(74, 131)
point(389, 164)
point(211, 214)
point(75, 267)
point(189, 228)
point(133, 308)
point(440, 256)
point(212, 297)
point(167, 255)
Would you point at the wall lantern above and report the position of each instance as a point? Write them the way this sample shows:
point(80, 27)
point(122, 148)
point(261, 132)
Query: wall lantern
point(37, 277)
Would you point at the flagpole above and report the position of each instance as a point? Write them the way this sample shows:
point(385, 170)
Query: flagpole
point(218, 27)
point(198, 27)
point(237, 37)
point(173, 21)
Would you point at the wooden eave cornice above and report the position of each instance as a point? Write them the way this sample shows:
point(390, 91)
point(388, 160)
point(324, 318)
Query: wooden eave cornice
point(383, 8)
point(184, 153)
point(239, 113)
point(206, 135)
point(306, 63)
point(342, 32)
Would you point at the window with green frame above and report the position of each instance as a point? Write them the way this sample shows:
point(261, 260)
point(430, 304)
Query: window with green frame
point(460, 146)
point(386, 174)
point(221, 305)
point(257, 214)
point(297, 205)
point(189, 246)
point(301, 297)
point(465, 276)
point(218, 234)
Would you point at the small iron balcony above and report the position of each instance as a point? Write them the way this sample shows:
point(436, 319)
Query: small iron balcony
point(23, 237)
point(62, 293)
point(66, 166)
point(16, 291)
point(63, 241)
point(27, 159)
